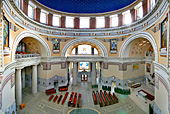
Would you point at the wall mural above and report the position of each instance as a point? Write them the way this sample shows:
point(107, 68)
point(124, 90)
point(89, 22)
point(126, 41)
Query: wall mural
point(113, 46)
point(56, 45)
point(6, 35)
point(135, 66)
point(164, 38)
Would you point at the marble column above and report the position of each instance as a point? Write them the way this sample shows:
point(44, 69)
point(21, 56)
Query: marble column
point(93, 73)
point(34, 80)
point(23, 78)
point(18, 87)
point(75, 73)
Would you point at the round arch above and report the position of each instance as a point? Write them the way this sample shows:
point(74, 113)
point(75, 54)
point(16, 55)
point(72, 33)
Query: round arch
point(145, 35)
point(25, 34)
point(94, 41)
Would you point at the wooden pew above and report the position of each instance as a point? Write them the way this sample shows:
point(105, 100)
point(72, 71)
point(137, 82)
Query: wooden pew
point(51, 97)
point(79, 101)
point(55, 98)
point(107, 97)
point(70, 99)
point(117, 100)
point(112, 98)
point(100, 100)
point(64, 98)
point(75, 100)
point(50, 91)
point(59, 99)
point(94, 98)
point(102, 95)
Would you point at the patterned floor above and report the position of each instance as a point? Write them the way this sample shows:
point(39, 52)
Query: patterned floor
point(40, 104)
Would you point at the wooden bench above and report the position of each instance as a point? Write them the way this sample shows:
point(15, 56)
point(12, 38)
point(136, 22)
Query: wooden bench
point(102, 95)
point(107, 97)
point(71, 98)
point(94, 98)
point(117, 100)
point(112, 98)
point(59, 99)
point(64, 98)
point(100, 100)
point(55, 98)
point(51, 97)
point(79, 101)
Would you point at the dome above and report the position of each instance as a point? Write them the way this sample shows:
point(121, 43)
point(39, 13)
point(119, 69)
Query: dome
point(86, 6)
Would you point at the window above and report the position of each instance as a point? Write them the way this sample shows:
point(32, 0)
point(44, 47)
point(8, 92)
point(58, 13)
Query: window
point(95, 51)
point(100, 22)
point(84, 49)
point(127, 17)
point(70, 22)
point(17, 3)
point(139, 11)
point(73, 51)
point(152, 4)
point(30, 11)
point(43, 17)
point(56, 20)
point(84, 22)
point(114, 20)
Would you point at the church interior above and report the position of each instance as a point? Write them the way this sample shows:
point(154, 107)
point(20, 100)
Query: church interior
point(84, 57)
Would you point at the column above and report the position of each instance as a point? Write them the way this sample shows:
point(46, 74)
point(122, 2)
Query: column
point(18, 88)
point(63, 22)
point(120, 19)
point(37, 12)
point(145, 6)
point(76, 23)
point(101, 68)
point(92, 22)
point(34, 80)
point(23, 78)
point(93, 73)
point(133, 14)
point(49, 19)
point(24, 6)
point(107, 22)
point(75, 73)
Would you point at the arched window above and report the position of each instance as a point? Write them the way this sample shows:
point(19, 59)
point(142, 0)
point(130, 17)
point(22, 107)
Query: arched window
point(30, 11)
point(114, 20)
point(56, 20)
point(139, 11)
point(43, 17)
point(100, 22)
point(127, 17)
point(69, 22)
point(84, 22)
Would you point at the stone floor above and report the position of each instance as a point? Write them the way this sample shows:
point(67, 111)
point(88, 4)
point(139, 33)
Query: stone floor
point(40, 104)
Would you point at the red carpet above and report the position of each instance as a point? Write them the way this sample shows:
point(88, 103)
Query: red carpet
point(150, 97)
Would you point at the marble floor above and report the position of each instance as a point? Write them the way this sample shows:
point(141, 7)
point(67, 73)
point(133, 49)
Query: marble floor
point(40, 104)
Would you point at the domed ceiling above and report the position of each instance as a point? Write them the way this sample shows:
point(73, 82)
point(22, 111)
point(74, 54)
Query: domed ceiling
point(86, 6)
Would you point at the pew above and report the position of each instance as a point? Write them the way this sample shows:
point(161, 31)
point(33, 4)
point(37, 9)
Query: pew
point(64, 98)
point(112, 98)
point(108, 98)
point(94, 98)
point(55, 98)
point(75, 100)
point(51, 97)
point(69, 102)
point(117, 100)
point(59, 99)
point(102, 95)
point(79, 101)
point(100, 100)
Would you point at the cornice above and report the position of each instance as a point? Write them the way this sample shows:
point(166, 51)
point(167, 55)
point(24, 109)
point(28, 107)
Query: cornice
point(145, 23)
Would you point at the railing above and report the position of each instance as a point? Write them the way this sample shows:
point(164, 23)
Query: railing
point(18, 56)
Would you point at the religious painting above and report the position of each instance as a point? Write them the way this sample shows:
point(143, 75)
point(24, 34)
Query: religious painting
point(135, 66)
point(105, 65)
point(113, 46)
point(164, 37)
point(56, 45)
point(63, 65)
point(122, 67)
point(6, 35)
point(148, 67)
point(84, 65)
point(150, 52)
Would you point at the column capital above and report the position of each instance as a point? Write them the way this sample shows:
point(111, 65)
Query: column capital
point(35, 64)
point(19, 68)
point(74, 62)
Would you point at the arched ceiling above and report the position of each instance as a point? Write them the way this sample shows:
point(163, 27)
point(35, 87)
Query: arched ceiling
point(86, 6)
